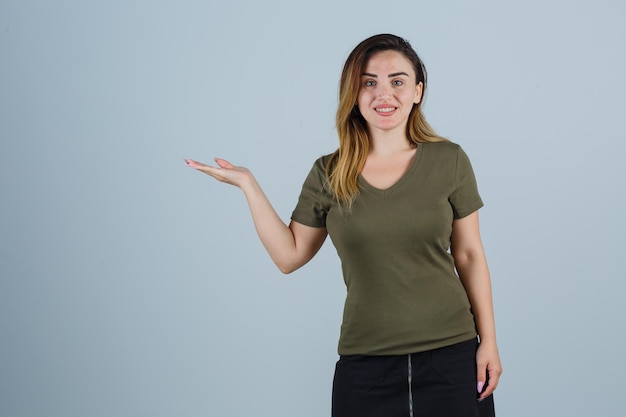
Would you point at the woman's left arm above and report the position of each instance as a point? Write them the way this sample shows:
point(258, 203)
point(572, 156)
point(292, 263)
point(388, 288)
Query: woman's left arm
point(471, 265)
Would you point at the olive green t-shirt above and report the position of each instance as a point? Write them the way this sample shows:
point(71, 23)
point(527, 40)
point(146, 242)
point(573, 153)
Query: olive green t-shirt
point(403, 294)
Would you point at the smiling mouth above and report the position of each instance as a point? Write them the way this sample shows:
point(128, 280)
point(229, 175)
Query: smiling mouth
point(385, 109)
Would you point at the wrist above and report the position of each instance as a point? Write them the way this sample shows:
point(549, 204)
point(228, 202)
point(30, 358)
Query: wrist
point(487, 341)
point(249, 185)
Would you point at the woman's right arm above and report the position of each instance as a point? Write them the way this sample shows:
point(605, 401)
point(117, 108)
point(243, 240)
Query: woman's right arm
point(291, 246)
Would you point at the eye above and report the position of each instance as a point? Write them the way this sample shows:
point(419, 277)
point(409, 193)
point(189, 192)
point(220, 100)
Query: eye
point(370, 83)
point(397, 83)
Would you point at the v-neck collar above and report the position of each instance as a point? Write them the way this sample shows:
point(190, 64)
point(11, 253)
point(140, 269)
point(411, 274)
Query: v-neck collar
point(407, 174)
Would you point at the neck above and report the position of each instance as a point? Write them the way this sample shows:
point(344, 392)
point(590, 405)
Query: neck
point(389, 142)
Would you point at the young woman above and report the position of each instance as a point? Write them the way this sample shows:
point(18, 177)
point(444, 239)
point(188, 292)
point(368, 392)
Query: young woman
point(401, 206)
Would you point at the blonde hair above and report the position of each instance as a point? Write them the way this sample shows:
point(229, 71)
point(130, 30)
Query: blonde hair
point(345, 164)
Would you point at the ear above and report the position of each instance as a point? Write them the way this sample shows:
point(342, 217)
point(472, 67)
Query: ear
point(419, 88)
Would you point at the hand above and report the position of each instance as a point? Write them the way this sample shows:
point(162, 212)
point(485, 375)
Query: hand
point(487, 362)
point(225, 172)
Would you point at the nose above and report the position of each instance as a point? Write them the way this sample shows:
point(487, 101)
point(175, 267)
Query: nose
point(384, 90)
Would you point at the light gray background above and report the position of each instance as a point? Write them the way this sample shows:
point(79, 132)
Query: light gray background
point(131, 285)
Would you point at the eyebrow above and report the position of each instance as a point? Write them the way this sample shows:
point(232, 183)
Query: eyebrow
point(395, 74)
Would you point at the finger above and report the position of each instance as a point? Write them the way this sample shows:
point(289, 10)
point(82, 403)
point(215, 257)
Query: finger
point(223, 163)
point(209, 170)
point(494, 378)
point(489, 390)
point(194, 164)
point(481, 377)
point(216, 173)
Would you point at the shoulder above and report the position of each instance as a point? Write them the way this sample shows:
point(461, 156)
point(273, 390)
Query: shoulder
point(317, 174)
point(323, 160)
point(444, 148)
point(321, 163)
point(445, 152)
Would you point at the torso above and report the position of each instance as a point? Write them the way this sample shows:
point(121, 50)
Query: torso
point(403, 295)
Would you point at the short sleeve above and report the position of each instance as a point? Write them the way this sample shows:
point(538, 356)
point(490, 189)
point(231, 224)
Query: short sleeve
point(311, 209)
point(465, 198)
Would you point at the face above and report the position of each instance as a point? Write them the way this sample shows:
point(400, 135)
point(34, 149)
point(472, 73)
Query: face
point(388, 91)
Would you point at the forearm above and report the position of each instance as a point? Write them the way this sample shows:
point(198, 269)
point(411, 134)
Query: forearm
point(277, 238)
point(474, 275)
point(471, 264)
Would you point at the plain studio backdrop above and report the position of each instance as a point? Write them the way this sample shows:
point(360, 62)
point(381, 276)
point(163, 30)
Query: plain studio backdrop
point(131, 285)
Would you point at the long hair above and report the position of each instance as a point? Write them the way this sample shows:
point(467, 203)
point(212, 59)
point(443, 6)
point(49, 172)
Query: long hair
point(345, 164)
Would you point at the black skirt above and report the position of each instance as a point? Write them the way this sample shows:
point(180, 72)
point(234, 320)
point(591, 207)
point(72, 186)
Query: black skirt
point(435, 383)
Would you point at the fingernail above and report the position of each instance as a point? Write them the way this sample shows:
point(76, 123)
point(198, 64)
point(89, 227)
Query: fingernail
point(480, 386)
point(186, 161)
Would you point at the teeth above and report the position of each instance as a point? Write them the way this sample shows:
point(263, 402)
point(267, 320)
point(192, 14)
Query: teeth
point(385, 109)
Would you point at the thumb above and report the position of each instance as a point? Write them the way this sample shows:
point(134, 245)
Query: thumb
point(223, 163)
